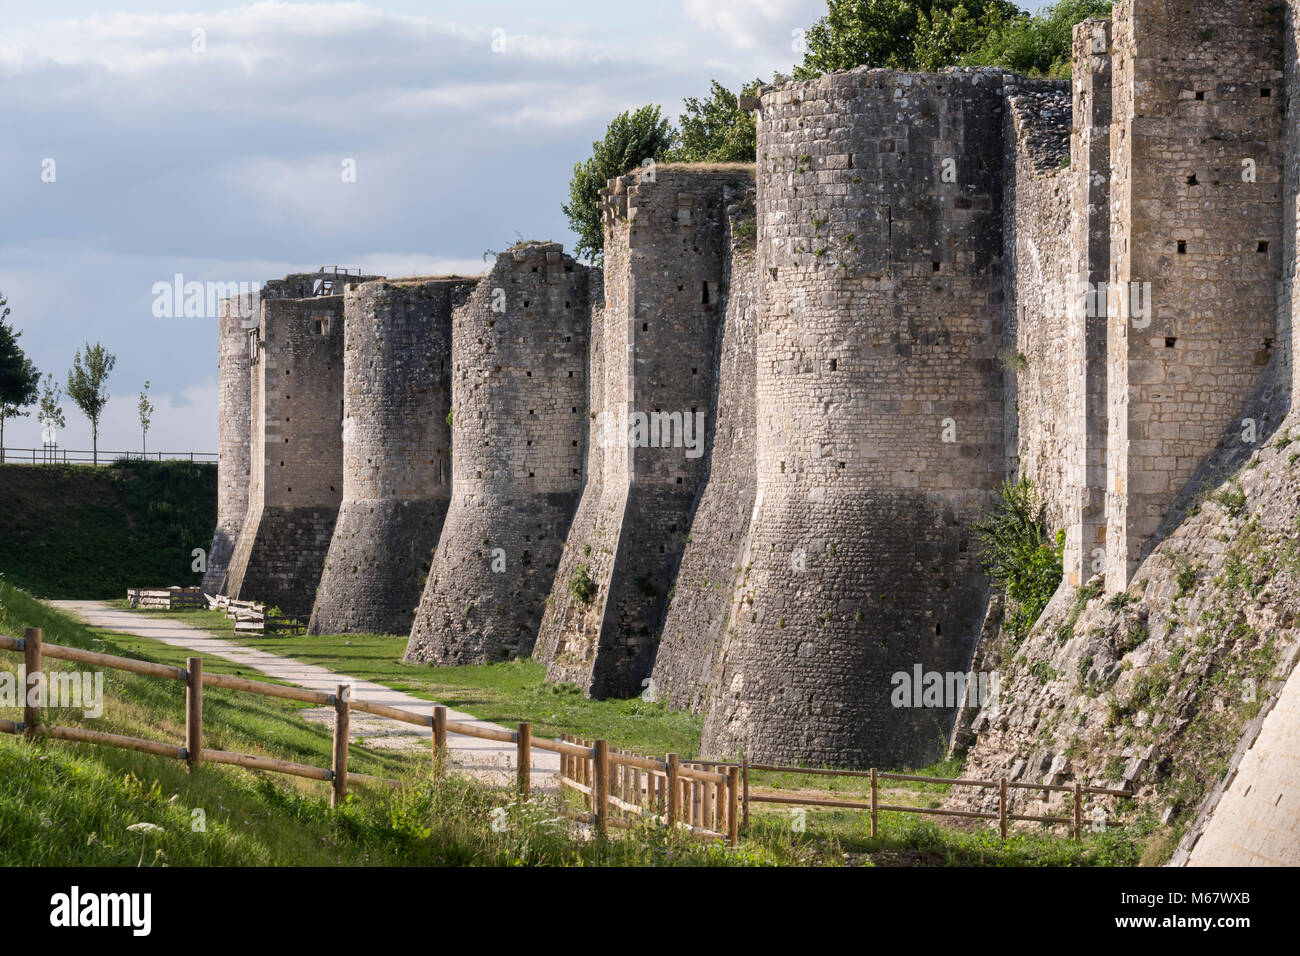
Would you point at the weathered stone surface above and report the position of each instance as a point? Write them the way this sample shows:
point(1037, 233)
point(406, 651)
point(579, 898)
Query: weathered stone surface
point(666, 258)
point(396, 453)
point(519, 413)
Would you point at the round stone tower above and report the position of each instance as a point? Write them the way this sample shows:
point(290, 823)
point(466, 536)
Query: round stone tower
point(519, 426)
point(396, 453)
point(234, 411)
point(879, 416)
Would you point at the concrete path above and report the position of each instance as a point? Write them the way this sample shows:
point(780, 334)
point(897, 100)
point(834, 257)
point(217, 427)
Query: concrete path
point(485, 758)
point(1257, 821)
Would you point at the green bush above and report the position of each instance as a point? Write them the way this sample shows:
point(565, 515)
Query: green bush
point(581, 586)
point(1018, 555)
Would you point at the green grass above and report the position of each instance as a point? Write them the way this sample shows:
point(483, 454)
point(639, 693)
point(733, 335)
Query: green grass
point(65, 804)
point(72, 804)
point(504, 693)
point(77, 531)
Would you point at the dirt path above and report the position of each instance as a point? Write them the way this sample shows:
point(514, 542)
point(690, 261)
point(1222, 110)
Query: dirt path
point(487, 758)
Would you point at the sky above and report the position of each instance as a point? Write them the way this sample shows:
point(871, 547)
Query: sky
point(228, 142)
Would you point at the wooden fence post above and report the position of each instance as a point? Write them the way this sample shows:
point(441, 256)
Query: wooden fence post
point(674, 790)
point(524, 757)
point(600, 785)
point(744, 772)
point(1002, 807)
point(193, 712)
point(33, 692)
point(875, 803)
point(733, 822)
point(341, 721)
point(439, 738)
point(1078, 811)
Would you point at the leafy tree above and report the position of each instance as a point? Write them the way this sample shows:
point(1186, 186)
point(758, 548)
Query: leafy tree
point(717, 130)
point(1018, 555)
point(51, 411)
point(19, 379)
point(86, 386)
point(631, 138)
point(928, 35)
point(898, 34)
point(146, 417)
point(1039, 44)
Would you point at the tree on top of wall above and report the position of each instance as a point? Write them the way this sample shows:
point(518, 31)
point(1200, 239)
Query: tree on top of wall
point(631, 138)
point(716, 129)
point(19, 379)
point(928, 35)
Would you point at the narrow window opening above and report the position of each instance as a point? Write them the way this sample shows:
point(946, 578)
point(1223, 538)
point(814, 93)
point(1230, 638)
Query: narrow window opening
point(1263, 247)
point(1192, 180)
point(645, 326)
point(1182, 247)
point(835, 364)
point(935, 265)
point(1200, 94)
point(1170, 341)
point(1265, 92)
point(704, 293)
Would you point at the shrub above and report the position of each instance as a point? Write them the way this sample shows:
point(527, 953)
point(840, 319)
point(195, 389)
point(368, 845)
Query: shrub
point(581, 586)
point(1018, 555)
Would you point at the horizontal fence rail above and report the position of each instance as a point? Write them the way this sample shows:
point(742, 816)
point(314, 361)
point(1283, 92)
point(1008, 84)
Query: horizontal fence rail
point(54, 455)
point(1003, 816)
point(708, 799)
point(192, 675)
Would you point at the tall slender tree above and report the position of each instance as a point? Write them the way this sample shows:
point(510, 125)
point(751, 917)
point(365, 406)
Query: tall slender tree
point(51, 414)
point(146, 417)
point(19, 379)
point(87, 386)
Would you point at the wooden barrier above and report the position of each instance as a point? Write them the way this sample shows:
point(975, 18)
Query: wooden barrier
point(166, 599)
point(1003, 816)
point(708, 803)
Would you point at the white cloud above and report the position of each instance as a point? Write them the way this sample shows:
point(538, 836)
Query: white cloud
point(755, 24)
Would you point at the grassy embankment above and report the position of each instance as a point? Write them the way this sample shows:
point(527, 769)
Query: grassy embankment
point(77, 531)
point(509, 692)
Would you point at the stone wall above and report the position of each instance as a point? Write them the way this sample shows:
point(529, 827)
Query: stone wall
point(296, 453)
point(879, 412)
point(1090, 146)
point(1038, 361)
point(1196, 212)
point(519, 401)
point(234, 419)
point(666, 256)
point(396, 453)
point(696, 628)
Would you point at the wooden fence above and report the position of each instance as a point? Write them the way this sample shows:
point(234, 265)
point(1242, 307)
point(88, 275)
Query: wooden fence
point(253, 618)
point(710, 799)
point(337, 774)
point(671, 791)
point(165, 599)
point(1003, 816)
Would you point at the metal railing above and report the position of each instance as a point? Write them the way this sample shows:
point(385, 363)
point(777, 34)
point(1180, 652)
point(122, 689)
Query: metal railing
point(54, 455)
